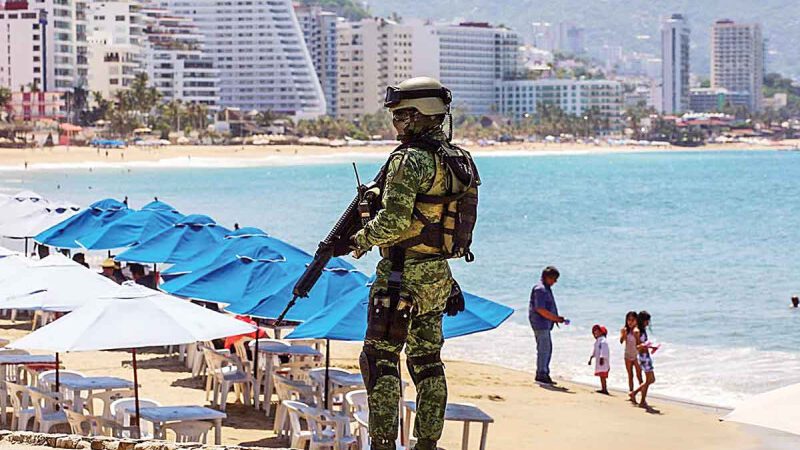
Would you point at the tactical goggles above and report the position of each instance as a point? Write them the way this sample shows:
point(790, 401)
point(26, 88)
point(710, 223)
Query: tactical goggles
point(394, 95)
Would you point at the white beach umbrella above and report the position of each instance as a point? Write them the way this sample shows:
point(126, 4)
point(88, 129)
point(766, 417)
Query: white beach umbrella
point(776, 409)
point(20, 205)
point(132, 316)
point(39, 219)
point(11, 263)
point(55, 283)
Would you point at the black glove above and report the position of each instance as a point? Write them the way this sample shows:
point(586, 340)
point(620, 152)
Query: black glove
point(455, 302)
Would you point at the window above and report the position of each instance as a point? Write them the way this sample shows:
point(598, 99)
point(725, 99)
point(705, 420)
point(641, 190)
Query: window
point(120, 18)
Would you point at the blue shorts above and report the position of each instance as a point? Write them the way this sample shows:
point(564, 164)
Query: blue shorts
point(645, 362)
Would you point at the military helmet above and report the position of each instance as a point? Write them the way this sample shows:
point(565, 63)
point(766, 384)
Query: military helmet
point(425, 94)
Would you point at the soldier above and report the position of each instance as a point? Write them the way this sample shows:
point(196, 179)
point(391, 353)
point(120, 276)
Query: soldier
point(414, 286)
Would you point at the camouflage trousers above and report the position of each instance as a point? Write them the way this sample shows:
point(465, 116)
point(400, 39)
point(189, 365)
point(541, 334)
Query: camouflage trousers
point(424, 338)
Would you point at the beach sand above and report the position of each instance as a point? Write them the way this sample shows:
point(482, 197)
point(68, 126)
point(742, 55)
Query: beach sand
point(254, 155)
point(526, 415)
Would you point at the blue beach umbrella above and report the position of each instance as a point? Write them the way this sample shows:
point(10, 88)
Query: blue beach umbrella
point(336, 281)
point(135, 227)
point(97, 215)
point(238, 278)
point(180, 243)
point(347, 319)
point(239, 242)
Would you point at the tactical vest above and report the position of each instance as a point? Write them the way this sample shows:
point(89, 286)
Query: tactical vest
point(445, 215)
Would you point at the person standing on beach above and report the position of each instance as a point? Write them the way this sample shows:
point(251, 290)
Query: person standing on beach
point(645, 360)
point(413, 286)
point(629, 336)
point(543, 314)
point(601, 356)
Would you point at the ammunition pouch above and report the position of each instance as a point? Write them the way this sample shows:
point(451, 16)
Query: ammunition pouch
point(389, 313)
point(371, 371)
point(418, 376)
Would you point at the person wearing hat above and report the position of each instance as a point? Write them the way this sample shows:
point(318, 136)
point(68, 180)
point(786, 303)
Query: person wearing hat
point(601, 356)
point(413, 286)
point(112, 271)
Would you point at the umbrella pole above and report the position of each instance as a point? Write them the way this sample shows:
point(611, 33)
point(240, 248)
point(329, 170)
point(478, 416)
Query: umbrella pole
point(327, 373)
point(58, 378)
point(26, 247)
point(255, 369)
point(136, 394)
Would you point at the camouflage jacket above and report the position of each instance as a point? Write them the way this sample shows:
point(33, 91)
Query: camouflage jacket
point(426, 279)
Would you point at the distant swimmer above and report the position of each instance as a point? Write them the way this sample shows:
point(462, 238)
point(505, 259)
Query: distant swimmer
point(795, 301)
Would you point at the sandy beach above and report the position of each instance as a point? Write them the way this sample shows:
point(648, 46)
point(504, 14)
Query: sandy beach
point(64, 157)
point(526, 415)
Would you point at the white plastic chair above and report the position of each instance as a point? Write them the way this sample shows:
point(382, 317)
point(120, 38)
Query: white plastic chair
point(226, 373)
point(326, 432)
point(358, 401)
point(289, 390)
point(78, 423)
point(317, 377)
point(189, 431)
point(119, 411)
point(107, 398)
point(299, 435)
point(22, 410)
point(47, 379)
point(47, 382)
point(46, 414)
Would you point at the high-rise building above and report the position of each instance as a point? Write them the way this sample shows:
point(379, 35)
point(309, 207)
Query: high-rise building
point(21, 50)
point(473, 57)
point(175, 62)
point(545, 36)
point(319, 32)
point(372, 54)
point(259, 50)
point(49, 39)
point(559, 37)
point(737, 59)
point(115, 45)
point(675, 64)
point(521, 98)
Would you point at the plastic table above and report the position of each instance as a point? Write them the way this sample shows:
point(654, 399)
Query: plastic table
point(266, 351)
point(160, 415)
point(457, 412)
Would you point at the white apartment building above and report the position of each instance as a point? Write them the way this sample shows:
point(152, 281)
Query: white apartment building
point(21, 53)
point(675, 64)
point(472, 58)
point(174, 60)
point(48, 49)
point(737, 59)
point(115, 45)
point(319, 33)
point(258, 48)
point(521, 98)
point(372, 54)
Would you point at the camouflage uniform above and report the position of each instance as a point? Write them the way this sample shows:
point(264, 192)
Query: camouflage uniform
point(427, 281)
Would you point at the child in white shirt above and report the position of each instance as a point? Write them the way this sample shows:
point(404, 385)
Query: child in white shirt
point(601, 356)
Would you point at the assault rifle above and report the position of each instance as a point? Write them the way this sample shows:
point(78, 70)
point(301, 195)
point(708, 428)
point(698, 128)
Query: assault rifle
point(337, 243)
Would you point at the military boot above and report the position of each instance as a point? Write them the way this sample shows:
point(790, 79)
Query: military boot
point(425, 444)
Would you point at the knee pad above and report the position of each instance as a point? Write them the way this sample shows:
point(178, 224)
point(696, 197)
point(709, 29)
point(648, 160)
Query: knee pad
point(418, 376)
point(371, 371)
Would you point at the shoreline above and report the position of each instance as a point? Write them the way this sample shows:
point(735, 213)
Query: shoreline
point(238, 156)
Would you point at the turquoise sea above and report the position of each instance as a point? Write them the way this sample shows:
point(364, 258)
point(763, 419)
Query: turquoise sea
point(708, 242)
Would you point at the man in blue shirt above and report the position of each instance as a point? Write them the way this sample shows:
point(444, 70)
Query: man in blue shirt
point(542, 314)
